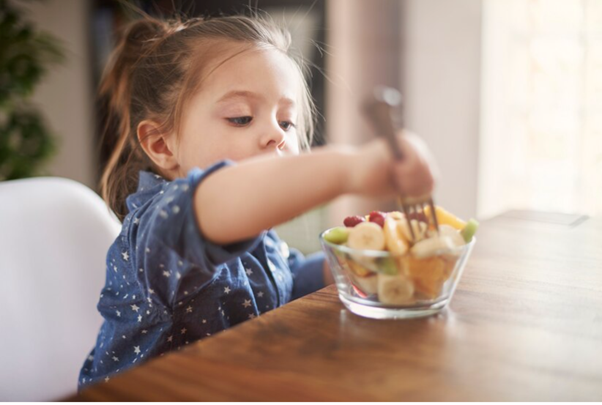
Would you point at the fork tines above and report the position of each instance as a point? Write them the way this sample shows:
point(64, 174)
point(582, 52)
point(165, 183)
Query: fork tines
point(415, 209)
point(378, 112)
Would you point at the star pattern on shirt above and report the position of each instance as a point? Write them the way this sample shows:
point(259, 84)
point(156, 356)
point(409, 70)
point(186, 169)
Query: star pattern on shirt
point(173, 276)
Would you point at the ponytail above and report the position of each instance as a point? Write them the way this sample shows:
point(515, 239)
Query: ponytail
point(120, 175)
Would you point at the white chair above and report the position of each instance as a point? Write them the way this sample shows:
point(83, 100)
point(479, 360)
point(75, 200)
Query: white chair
point(54, 236)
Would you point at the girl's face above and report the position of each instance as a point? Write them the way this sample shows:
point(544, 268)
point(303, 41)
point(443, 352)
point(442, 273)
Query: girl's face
point(246, 107)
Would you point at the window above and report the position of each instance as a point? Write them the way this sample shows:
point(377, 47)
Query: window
point(541, 128)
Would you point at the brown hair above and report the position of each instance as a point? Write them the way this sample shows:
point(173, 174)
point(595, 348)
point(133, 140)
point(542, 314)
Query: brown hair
point(149, 76)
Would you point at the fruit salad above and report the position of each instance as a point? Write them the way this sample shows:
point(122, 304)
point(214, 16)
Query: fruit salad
point(384, 263)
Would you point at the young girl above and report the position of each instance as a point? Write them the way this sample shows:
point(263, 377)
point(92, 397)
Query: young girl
point(210, 117)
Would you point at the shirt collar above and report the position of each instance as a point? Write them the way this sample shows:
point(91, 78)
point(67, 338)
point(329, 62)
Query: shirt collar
point(149, 184)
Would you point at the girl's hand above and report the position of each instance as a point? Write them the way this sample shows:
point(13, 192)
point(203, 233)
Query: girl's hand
point(376, 173)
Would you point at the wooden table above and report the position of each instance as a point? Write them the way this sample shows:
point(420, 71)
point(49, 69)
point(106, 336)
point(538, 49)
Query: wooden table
point(525, 324)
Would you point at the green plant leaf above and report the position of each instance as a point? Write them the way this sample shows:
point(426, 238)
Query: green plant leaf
point(26, 53)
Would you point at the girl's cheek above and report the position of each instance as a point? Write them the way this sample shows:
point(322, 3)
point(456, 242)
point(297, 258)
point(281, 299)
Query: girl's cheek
point(292, 145)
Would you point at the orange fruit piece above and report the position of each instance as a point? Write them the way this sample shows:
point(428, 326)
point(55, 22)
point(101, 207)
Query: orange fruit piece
point(445, 217)
point(429, 274)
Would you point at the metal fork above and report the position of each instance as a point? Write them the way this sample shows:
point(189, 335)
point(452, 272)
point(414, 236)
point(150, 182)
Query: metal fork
point(378, 112)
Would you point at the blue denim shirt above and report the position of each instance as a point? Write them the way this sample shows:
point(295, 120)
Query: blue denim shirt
point(168, 286)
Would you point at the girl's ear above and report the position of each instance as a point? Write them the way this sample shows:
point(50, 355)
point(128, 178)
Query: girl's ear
point(155, 144)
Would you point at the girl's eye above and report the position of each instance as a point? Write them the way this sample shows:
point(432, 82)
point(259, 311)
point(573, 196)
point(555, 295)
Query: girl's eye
point(240, 121)
point(286, 125)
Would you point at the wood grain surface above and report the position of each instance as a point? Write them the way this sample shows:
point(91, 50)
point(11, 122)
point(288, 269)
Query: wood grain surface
point(525, 324)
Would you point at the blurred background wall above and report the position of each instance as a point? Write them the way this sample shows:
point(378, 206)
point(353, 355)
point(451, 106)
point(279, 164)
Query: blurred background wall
point(441, 55)
point(478, 77)
point(66, 95)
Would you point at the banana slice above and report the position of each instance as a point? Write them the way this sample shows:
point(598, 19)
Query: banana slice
point(366, 236)
point(395, 242)
point(433, 246)
point(419, 228)
point(394, 290)
point(368, 285)
point(452, 233)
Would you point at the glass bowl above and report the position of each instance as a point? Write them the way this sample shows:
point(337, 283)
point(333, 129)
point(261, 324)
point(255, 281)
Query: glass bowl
point(377, 284)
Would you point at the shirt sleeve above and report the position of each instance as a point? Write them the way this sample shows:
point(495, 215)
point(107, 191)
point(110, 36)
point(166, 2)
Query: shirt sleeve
point(308, 274)
point(170, 247)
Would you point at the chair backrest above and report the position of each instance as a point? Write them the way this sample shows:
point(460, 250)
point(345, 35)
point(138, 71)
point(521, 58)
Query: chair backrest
point(54, 237)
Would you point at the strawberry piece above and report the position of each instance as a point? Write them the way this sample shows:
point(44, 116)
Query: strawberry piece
point(378, 217)
point(350, 222)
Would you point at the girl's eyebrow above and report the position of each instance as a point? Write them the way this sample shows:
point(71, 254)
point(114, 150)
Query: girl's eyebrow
point(251, 95)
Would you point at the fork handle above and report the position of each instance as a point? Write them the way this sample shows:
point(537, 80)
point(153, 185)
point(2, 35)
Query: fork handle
point(378, 112)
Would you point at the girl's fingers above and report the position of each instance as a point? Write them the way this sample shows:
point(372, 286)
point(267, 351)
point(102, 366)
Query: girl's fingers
point(415, 174)
point(413, 180)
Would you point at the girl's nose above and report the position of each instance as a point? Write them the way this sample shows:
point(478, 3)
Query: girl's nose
point(273, 138)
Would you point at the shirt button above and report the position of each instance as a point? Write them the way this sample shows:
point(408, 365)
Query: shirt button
point(271, 266)
point(284, 250)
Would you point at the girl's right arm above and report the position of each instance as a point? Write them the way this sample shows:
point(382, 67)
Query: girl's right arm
point(240, 201)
